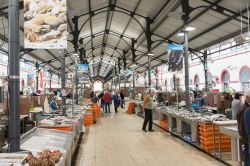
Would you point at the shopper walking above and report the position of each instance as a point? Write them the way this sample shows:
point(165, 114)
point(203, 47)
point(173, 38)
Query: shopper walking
point(242, 128)
point(236, 103)
point(122, 98)
point(116, 101)
point(148, 106)
point(107, 100)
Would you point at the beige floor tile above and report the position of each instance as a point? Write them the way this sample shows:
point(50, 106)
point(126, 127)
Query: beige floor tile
point(117, 140)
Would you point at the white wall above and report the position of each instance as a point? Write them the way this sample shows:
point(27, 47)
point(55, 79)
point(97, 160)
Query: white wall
point(231, 61)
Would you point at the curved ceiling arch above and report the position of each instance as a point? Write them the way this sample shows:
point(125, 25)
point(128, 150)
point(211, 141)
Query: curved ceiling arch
point(101, 35)
point(107, 10)
point(107, 45)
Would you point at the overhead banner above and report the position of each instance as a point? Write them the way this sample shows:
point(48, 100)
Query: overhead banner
point(175, 63)
point(83, 73)
point(30, 79)
point(175, 47)
point(45, 24)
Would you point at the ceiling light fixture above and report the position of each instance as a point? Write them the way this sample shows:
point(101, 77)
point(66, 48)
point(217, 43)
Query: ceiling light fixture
point(75, 54)
point(180, 34)
point(189, 28)
point(134, 65)
point(151, 54)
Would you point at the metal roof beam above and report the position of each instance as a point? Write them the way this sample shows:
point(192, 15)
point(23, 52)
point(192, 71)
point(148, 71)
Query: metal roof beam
point(221, 9)
point(216, 26)
point(236, 33)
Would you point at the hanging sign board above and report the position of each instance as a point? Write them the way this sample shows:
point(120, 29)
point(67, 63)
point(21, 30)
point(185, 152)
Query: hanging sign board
point(127, 72)
point(30, 79)
point(83, 73)
point(175, 63)
point(175, 47)
point(45, 24)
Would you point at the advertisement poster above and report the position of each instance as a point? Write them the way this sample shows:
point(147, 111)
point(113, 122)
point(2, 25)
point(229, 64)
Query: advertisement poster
point(176, 58)
point(83, 73)
point(45, 24)
point(30, 79)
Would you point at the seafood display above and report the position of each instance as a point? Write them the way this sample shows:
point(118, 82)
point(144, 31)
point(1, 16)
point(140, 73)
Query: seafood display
point(194, 116)
point(46, 158)
point(45, 24)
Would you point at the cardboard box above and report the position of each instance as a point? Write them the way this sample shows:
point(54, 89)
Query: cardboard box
point(25, 104)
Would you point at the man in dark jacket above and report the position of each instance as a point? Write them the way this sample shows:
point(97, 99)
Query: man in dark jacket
point(116, 100)
point(122, 99)
point(247, 127)
point(242, 128)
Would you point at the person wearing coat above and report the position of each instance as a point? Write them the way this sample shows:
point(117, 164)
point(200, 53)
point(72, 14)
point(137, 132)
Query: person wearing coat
point(116, 100)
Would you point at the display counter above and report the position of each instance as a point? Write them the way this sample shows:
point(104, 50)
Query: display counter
point(199, 129)
point(232, 131)
point(38, 139)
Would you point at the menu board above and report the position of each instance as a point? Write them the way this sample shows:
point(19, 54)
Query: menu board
point(175, 63)
point(45, 24)
point(83, 73)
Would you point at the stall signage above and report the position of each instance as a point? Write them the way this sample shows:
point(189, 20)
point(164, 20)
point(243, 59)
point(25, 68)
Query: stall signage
point(83, 73)
point(173, 47)
point(45, 24)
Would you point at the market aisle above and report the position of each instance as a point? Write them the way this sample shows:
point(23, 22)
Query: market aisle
point(117, 140)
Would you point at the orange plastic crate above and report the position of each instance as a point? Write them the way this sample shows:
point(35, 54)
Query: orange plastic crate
point(63, 128)
point(130, 107)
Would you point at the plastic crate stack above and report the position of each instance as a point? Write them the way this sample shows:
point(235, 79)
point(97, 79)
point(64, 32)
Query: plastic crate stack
point(206, 138)
point(131, 106)
point(88, 118)
point(97, 111)
point(164, 124)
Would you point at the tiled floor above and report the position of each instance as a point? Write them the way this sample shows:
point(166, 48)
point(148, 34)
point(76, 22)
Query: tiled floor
point(117, 140)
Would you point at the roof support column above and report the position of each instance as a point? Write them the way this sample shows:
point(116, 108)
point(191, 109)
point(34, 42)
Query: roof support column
point(133, 61)
point(14, 76)
point(149, 44)
point(119, 73)
point(50, 79)
point(37, 76)
point(62, 52)
point(185, 18)
point(76, 32)
point(125, 66)
point(205, 70)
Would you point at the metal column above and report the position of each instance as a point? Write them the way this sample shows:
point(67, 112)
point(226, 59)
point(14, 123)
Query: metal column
point(63, 80)
point(119, 80)
point(50, 82)
point(205, 70)
point(76, 79)
point(37, 76)
point(186, 70)
point(14, 77)
point(133, 83)
point(185, 18)
point(149, 72)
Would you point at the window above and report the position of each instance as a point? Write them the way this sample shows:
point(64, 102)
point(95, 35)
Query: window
point(196, 80)
point(245, 77)
point(225, 79)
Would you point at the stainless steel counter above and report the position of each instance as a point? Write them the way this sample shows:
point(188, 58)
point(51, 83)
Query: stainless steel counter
point(232, 131)
point(180, 123)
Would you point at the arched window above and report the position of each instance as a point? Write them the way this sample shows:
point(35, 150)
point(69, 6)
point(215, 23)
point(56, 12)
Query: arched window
point(225, 76)
point(245, 77)
point(225, 79)
point(196, 81)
